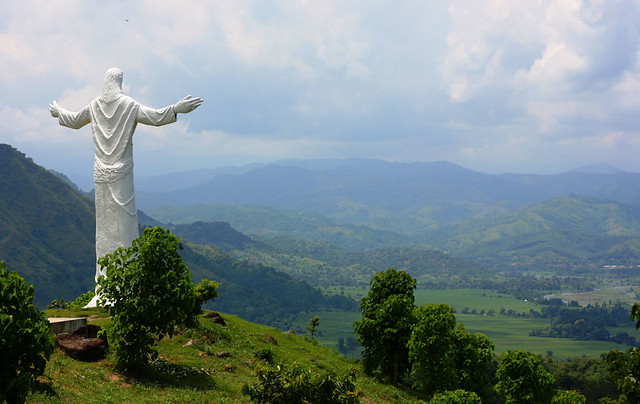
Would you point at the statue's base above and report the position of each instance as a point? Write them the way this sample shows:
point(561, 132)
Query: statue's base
point(93, 302)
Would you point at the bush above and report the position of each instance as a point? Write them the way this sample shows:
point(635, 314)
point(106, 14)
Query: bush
point(82, 300)
point(568, 397)
point(296, 385)
point(148, 291)
point(205, 291)
point(455, 397)
point(25, 340)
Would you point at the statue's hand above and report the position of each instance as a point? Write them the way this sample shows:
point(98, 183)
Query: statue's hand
point(187, 104)
point(54, 109)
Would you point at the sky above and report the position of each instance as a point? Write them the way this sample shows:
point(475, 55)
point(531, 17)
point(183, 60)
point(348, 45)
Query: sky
point(521, 86)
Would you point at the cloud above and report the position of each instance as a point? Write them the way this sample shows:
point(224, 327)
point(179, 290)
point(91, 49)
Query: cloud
point(496, 84)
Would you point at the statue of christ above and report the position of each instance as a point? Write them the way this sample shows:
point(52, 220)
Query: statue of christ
point(114, 117)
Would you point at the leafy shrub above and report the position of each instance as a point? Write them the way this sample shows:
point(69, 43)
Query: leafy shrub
point(82, 300)
point(58, 304)
point(568, 397)
point(205, 291)
point(25, 340)
point(296, 385)
point(265, 355)
point(148, 291)
point(455, 397)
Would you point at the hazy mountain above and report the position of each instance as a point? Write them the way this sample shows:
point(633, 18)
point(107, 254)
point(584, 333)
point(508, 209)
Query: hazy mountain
point(404, 198)
point(273, 222)
point(600, 168)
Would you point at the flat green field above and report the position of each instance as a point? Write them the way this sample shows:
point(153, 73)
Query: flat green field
point(505, 332)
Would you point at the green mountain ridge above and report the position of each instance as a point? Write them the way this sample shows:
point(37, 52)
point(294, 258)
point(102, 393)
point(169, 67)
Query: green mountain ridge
point(47, 236)
point(567, 231)
point(47, 229)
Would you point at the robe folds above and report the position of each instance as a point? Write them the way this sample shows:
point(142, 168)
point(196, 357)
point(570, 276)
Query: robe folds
point(113, 124)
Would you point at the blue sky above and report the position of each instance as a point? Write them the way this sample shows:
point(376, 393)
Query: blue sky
point(495, 86)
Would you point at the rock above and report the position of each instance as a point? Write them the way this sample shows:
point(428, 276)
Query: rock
point(216, 317)
point(223, 354)
point(84, 344)
point(271, 339)
point(290, 331)
point(228, 367)
point(191, 342)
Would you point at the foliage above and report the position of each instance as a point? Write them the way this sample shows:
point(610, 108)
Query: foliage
point(280, 385)
point(204, 292)
point(148, 291)
point(255, 291)
point(624, 368)
point(445, 356)
point(431, 348)
point(455, 397)
point(589, 376)
point(82, 300)
point(472, 356)
point(522, 379)
point(312, 328)
point(385, 327)
point(586, 323)
point(58, 304)
point(568, 397)
point(25, 339)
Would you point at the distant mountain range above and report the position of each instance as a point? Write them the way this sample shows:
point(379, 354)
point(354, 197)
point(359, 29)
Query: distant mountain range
point(269, 232)
point(404, 198)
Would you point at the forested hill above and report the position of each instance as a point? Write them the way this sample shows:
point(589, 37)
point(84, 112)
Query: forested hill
point(47, 229)
point(565, 232)
point(47, 232)
point(322, 264)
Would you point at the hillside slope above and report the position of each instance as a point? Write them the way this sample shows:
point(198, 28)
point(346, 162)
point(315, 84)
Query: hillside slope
point(211, 369)
point(47, 235)
point(564, 232)
point(47, 229)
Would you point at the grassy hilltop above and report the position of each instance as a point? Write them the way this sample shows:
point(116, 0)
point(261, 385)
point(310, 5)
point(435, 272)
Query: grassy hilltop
point(212, 369)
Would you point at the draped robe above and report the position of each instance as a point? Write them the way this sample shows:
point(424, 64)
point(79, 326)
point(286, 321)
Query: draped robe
point(113, 124)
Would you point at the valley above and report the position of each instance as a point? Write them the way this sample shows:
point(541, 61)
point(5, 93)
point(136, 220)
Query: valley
point(302, 238)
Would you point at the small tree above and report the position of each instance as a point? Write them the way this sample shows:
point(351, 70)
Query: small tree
point(205, 291)
point(522, 379)
point(312, 328)
point(25, 340)
point(148, 291)
point(385, 328)
point(431, 348)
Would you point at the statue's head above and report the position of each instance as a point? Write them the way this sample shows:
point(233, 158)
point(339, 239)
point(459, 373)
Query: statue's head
point(112, 87)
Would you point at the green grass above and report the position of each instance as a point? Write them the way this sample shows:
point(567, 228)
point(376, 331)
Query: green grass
point(505, 332)
point(479, 299)
point(609, 295)
point(513, 333)
point(197, 374)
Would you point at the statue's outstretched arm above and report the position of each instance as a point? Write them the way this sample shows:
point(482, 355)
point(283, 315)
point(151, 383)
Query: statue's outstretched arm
point(187, 104)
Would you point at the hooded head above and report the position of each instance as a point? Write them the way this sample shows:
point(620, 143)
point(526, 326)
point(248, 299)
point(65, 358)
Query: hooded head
point(112, 87)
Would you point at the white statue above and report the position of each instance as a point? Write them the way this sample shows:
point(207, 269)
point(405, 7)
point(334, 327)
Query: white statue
point(114, 117)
